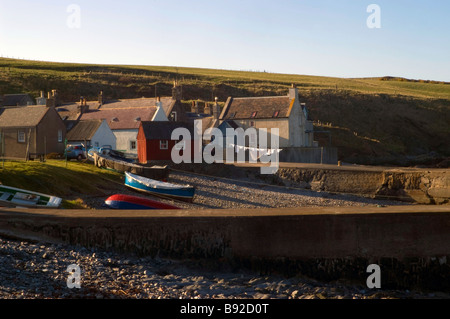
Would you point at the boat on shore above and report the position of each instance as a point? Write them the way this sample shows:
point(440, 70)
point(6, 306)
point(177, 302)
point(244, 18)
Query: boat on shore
point(121, 201)
point(112, 163)
point(159, 188)
point(16, 197)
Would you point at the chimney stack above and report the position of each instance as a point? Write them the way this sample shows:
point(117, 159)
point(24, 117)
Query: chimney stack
point(293, 92)
point(158, 102)
point(41, 100)
point(51, 101)
point(101, 99)
point(216, 109)
point(176, 91)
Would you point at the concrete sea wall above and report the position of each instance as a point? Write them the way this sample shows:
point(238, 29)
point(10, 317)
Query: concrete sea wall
point(411, 244)
point(419, 186)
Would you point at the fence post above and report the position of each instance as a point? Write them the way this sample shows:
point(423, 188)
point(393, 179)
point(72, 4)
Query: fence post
point(321, 155)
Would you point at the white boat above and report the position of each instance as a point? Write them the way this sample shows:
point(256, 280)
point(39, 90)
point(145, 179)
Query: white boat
point(159, 188)
point(16, 197)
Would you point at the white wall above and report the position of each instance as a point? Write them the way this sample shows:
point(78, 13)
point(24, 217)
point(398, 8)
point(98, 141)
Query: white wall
point(104, 136)
point(124, 138)
point(282, 125)
point(298, 125)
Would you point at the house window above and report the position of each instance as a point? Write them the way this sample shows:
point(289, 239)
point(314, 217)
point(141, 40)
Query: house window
point(174, 116)
point(254, 115)
point(275, 114)
point(21, 136)
point(252, 123)
point(163, 144)
point(60, 136)
point(132, 145)
point(232, 115)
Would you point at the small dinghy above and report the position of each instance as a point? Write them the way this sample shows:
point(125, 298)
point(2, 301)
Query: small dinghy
point(158, 188)
point(120, 201)
point(16, 197)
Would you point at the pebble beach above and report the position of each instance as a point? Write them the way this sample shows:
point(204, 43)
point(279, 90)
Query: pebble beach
point(31, 270)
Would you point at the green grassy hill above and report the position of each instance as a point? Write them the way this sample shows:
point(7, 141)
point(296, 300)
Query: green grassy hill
point(372, 120)
point(75, 182)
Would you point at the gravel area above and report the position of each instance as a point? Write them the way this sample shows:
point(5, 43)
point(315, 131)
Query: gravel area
point(31, 270)
point(217, 192)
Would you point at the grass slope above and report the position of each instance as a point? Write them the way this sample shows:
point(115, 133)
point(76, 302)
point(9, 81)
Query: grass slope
point(71, 182)
point(371, 120)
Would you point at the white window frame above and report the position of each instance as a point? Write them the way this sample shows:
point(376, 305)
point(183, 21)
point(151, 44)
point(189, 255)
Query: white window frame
point(174, 116)
point(131, 145)
point(60, 136)
point(163, 144)
point(21, 136)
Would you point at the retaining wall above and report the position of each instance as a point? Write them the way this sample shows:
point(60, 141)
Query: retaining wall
point(410, 243)
point(422, 186)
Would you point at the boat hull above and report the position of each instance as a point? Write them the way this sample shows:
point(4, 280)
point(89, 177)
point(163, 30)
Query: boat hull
point(17, 197)
point(184, 193)
point(123, 202)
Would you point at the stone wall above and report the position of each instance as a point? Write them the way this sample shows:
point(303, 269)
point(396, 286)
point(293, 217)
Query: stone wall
point(408, 185)
point(410, 243)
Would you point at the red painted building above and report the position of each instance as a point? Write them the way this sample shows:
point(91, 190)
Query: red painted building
point(155, 144)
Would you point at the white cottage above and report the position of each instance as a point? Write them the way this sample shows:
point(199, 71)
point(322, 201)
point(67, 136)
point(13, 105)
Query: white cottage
point(92, 133)
point(283, 112)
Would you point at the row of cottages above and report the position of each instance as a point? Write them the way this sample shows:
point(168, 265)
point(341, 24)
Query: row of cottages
point(124, 116)
point(31, 130)
point(285, 113)
point(154, 138)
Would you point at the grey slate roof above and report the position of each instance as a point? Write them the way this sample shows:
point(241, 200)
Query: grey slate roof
point(163, 130)
point(83, 130)
point(257, 108)
point(16, 100)
point(28, 116)
point(121, 118)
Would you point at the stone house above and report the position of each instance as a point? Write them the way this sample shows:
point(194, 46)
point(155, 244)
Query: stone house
point(31, 132)
point(283, 112)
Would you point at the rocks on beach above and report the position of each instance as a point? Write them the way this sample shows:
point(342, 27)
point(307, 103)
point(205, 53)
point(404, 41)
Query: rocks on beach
point(32, 270)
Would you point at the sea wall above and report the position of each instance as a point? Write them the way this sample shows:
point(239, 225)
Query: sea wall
point(408, 185)
point(411, 243)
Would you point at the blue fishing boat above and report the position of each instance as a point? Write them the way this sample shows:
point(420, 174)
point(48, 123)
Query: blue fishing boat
point(159, 188)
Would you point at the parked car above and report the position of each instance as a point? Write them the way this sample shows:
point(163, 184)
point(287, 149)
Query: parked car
point(76, 151)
